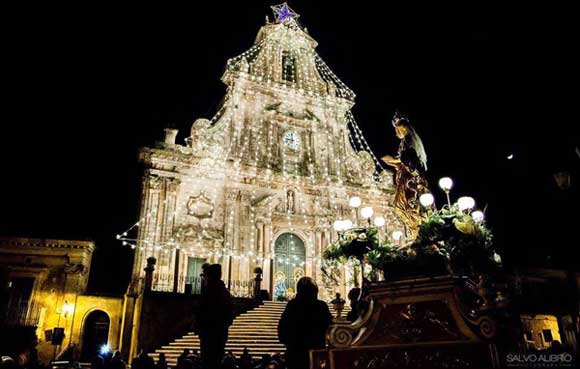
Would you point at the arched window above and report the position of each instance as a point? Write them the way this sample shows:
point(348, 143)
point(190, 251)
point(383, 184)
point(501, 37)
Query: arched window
point(288, 67)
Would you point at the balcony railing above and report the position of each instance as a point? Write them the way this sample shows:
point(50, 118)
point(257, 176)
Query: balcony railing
point(163, 282)
point(23, 315)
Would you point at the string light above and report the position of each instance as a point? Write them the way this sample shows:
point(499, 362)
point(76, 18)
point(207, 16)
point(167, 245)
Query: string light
point(279, 84)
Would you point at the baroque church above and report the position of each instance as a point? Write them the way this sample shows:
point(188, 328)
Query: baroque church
point(262, 182)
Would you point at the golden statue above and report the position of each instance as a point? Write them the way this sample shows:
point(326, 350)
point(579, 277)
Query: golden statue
point(410, 165)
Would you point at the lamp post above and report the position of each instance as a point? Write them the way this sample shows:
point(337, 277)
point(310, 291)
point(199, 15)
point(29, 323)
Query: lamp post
point(397, 236)
point(366, 212)
point(446, 184)
point(354, 202)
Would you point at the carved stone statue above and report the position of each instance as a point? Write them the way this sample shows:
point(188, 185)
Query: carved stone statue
point(410, 165)
point(290, 204)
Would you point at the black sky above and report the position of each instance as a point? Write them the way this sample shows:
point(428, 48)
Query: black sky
point(86, 87)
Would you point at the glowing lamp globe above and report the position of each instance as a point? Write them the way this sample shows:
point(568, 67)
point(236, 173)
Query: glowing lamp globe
point(426, 199)
point(465, 203)
point(354, 202)
point(379, 221)
point(446, 183)
point(366, 212)
point(477, 216)
point(337, 225)
point(67, 308)
point(397, 235)
point(346, 224)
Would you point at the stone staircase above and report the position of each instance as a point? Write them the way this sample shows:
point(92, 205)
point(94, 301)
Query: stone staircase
point(256, 330)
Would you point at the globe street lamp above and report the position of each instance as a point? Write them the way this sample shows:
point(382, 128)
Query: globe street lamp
point(397, 236)
point(354, 202)
point(446, 184)
point(465, 203)
point(366, 212)
point(427, 200)
point(379, 221)
point(478, 216)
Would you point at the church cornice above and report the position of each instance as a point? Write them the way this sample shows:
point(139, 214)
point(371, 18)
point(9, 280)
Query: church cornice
point(284, 91)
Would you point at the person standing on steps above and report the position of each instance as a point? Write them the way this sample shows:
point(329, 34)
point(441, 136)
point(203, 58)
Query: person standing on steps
point(215, 315)
point(303, 324)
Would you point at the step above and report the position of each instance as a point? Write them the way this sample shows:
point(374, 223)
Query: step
point(232, 340)
point(256, 330)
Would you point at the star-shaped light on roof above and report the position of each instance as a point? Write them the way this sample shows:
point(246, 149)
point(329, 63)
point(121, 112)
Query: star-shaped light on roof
point(283, 12)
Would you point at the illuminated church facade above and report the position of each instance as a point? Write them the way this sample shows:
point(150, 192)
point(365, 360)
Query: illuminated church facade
point(261, 183)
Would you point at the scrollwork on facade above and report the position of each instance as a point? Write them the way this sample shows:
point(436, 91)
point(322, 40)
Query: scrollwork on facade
point(200, 206)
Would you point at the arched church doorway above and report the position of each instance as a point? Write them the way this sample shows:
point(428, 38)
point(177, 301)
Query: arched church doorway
point(95, 333)
point(289, 265)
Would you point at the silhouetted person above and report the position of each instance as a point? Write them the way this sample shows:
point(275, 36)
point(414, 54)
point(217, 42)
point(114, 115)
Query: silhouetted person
point(161, 362)
point(203, 276)
point(33, 362)
point(117, 361)
point(555, 348)
point(98, 362)
point(183, 356)
point(304, 324)
point(229, 362)
point(273, 365)
point(185, 360)
point(264, 361)
point(143, 361)
point(353, 296)
point(214, 317)
point(246, 360)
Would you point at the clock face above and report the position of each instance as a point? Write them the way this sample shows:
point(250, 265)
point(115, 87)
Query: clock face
point(292, 140)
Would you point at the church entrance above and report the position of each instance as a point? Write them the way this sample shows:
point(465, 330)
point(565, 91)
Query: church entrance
point(96, 334)
point(193, 277)
point(289, 265)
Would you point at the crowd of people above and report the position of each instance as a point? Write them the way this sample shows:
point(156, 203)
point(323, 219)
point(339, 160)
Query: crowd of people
point(302, 327)
point(191, 359)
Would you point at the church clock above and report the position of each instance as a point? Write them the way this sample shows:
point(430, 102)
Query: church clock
point(291, 140)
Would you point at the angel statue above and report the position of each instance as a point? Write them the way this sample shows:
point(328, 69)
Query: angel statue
point(410, 165)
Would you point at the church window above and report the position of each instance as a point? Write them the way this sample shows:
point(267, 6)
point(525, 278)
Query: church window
point(288, 67)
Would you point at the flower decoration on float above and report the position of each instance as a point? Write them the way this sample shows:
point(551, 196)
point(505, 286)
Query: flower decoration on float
point(451, 240)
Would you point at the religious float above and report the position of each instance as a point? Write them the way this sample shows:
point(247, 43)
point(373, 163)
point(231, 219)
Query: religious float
point(436, 301)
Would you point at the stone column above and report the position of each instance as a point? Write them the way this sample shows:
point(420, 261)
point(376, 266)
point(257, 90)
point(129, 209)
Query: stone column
point(147, 224)
point(267, 277)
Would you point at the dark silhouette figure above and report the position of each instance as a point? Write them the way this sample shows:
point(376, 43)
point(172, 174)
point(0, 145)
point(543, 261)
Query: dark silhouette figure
point(203, 276)
point(143, 361)
point(117, 361)
point(183, 356)
point(304, 324)
point(195, 359)
point(266, 358)
point(246, 360)
point(161, 362)
point(229, 362)
point(216, 314)
point(353, 296)
point(98, 362)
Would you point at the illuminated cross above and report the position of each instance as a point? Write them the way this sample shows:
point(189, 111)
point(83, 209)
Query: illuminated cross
point(283, 12)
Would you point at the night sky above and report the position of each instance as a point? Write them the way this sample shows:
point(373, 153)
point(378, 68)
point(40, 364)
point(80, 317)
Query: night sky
point(87, 87)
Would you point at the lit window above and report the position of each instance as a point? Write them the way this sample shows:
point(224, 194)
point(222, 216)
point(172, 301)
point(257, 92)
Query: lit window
point(288, 67)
